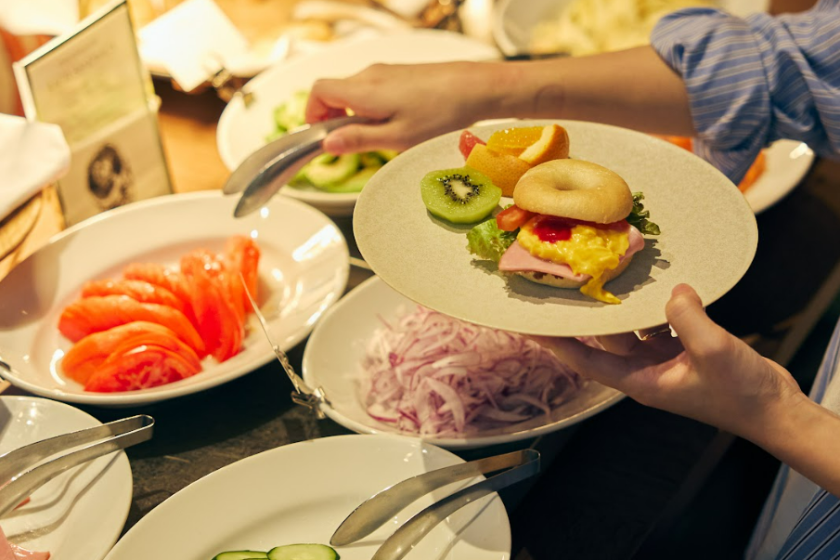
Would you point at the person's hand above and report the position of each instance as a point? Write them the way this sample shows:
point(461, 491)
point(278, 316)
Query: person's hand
point(707, 374)
point(411, 103)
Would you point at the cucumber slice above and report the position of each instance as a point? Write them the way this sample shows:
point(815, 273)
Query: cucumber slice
point(303, 552)
point(240, 555)
point(387, 155)
point(355, 183)
point(322, 172)
point(371, 159)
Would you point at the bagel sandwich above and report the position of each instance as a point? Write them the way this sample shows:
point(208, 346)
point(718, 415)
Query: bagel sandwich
point(574, 224)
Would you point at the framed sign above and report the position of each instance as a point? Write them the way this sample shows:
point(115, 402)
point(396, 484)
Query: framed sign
point(92, 83)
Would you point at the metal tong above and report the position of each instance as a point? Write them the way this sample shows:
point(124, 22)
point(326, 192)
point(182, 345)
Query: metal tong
point(379, 509)
point(262, 173)
point(18, 477)
point(303, 393)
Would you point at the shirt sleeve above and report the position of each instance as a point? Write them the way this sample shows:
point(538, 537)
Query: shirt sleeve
point(754, 80)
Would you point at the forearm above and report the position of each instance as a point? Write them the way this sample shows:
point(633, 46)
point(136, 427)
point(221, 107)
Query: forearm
point(805, 436)
point(651, 98)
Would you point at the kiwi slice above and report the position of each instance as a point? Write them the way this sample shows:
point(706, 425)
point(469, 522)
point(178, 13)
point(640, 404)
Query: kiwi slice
point(461, 195)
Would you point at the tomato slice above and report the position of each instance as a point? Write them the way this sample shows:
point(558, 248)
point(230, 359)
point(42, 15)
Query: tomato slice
point(513, 218)
point(242, 256)
point(467, 142)
point(86, 356)
point(140, 368)
point(220, 318)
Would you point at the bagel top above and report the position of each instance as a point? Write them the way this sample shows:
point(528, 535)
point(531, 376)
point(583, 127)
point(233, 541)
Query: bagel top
point(576, 189)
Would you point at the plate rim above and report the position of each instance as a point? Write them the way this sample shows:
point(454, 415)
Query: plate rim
point(133, 398)
point(209, 478)
point(376, 283)
point(121, 462)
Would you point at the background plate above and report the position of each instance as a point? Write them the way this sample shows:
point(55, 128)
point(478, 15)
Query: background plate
point(242, 130)
point(300, 493)
point(333, 356)
point(79, 514)
point(303, 270)
point(708, 240)
point(787, 163)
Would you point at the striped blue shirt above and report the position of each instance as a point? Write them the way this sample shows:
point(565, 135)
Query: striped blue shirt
point(756, 80)
point(752, 81)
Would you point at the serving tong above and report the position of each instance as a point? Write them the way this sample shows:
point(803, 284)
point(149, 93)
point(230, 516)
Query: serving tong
point(262, 173)
point(379, 509)
point(18, 477)
point(303, 393)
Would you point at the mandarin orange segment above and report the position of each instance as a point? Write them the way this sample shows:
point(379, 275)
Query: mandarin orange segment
point(552, 144)
point(504, 170)
point(514, 141)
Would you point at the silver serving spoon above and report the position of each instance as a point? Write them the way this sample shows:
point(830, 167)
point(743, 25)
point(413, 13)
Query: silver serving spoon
point(265, 171)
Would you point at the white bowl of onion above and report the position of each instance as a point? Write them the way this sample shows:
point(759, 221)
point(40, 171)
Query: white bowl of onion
point(389, 366)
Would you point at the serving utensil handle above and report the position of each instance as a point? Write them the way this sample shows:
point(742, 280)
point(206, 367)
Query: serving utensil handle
point(408, 535)
point(121, 434)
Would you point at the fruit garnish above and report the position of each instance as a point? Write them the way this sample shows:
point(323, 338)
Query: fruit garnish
point(504, 170)
point(467, 142)
point(514, 141)
point(462, 195)
point(553, 143)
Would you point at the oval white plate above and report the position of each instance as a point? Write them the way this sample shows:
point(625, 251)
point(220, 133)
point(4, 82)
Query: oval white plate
point(300, 493)
point(513, 23)
point(79, 514)
point(242, 130)
point(303, 270)
point(333, 356)
point(709, 237)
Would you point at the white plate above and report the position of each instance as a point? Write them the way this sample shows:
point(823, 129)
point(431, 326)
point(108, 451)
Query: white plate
point(242, 130)
point(333, 356)
point(787, 163)
point(79, 514)
point(708, 240)
point(303, 270)
point(300, 493)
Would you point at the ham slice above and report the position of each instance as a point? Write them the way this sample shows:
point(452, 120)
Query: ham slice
point(518, 259)
point(9, 551)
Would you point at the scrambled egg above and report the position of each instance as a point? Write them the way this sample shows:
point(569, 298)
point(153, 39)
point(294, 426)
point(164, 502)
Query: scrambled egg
point(590, 250)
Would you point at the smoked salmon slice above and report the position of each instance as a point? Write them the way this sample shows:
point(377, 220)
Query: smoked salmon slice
point(87, 355)
point(100, 313)
point(218, 318)
point(143, 367)
point(140, 290)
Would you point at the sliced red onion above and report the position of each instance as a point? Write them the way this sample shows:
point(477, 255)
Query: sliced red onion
point(435, 375)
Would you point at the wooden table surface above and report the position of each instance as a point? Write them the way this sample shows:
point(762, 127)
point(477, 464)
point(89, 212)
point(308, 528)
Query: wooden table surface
point(607, 483)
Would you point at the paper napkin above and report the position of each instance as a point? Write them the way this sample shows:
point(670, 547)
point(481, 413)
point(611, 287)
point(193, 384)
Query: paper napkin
point(192, 41)
point(32, 155)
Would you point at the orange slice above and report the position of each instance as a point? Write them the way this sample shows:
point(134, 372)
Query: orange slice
point(552, 144)
point(503, 169)
point(514, 141)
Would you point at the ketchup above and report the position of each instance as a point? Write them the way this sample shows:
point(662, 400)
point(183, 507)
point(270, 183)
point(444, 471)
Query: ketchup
point(553, 229)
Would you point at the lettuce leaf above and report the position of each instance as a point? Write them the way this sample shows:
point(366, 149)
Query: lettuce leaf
point(638, 217)
point(489, 242)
